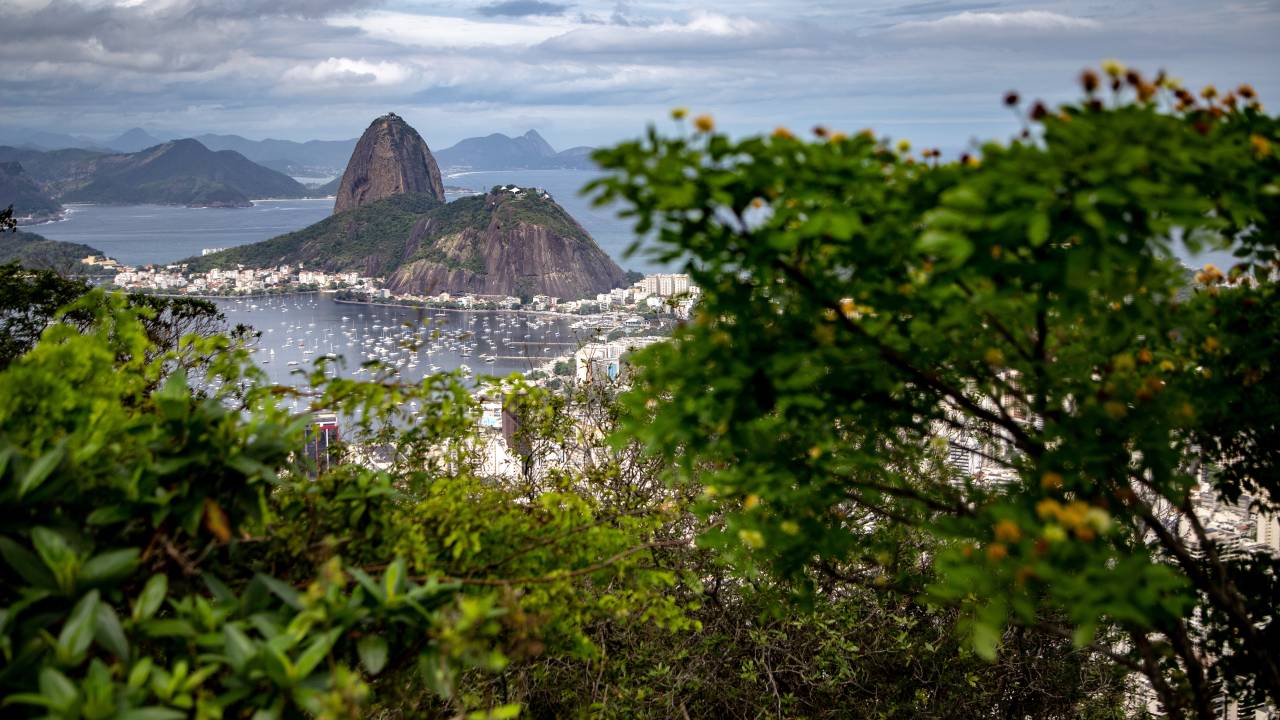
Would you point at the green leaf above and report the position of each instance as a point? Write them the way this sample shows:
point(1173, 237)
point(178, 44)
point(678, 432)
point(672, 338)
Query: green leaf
point(315, 653)
point(41, 468)
point(240, 648)
point(152, 712)
point(55, 686)
point(1038, 229)
point(373, 653)
point(27, 564)
point(169, 628)
point(109, 632)
point(79, 629)
point(502, 712)
point(1083, 634)
point(109, 566)
point(986, 638)
point(152, 595)
point(282, 590)
point(56, 554)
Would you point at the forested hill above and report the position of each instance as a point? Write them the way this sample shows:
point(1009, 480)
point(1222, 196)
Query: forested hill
point(30, 201)
point(38, 252)
point(181, 172)
point(510, 241)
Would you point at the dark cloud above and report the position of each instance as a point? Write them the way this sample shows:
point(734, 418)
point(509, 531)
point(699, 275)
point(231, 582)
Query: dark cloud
point(523, 8)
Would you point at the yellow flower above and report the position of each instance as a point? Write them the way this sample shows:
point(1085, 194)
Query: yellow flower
point(1122, 362)
point(1113, 68)
point(1261, 145)
point(838, 136)
point(904, 146)
point(847, 307)
point(751, 538)
point(782, 133)
point(972, 160)
point(815, 452)
point(1098, 519)
point(997, 552)
point(993, 356)
point(679, 113)
point(1008, 531)
point(1054, 533)
point(751, 501)
point(1211, 345)
point(1167, 365)
point(1048, 508)
point(1051, 481)
point(789, 527)
point(1209, 92)
point(704, 123)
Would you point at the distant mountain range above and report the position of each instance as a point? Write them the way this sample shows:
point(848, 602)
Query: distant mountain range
point(320, 158)
point(180, 172)
point(500, 152)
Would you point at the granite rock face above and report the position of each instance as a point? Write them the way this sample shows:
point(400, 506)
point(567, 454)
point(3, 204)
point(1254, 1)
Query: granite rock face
point(523, 244)
point(391, 158)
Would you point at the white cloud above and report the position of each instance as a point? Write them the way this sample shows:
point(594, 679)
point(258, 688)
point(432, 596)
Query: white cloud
point(701, 32)
point(348, 71)
point(439, 31)
point(1020, 20)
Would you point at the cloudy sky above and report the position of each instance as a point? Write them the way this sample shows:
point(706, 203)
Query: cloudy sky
point(594, 71)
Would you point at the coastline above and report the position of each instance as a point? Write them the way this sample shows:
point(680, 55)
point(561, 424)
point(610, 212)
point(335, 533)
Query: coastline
point(550, 313)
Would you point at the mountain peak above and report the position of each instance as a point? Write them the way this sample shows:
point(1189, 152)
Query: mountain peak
point(390, 158)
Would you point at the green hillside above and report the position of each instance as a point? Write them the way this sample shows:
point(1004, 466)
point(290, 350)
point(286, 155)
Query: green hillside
point(370, 238)
point(38, 252)
point(28, 199)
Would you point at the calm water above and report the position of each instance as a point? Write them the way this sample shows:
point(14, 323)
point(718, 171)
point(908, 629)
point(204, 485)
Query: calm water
point(300, 328)
point(143, 234)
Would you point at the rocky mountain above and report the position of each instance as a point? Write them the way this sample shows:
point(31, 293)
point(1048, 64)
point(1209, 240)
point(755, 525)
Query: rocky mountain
point(500, 152)
point(509, 241)
point(31, 204)
point(40, 253)
point(390, 158)
point(181, 172)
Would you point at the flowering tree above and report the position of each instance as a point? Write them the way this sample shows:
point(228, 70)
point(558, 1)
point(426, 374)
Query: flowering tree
point(871, 318)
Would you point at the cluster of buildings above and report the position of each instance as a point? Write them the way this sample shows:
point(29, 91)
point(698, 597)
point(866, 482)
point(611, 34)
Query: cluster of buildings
point(661, 294)
point(241, 281)
point(664, 294)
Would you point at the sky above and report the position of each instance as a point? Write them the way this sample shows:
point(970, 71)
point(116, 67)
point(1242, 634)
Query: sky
point(592, 72)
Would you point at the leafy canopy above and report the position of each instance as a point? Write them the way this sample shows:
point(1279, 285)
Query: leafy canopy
point(870, 315)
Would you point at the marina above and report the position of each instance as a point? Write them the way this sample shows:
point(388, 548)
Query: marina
point(297, 330)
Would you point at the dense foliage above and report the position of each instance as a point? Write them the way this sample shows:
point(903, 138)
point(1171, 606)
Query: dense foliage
point(38, 252)
point(168, 552)
point(866, 310)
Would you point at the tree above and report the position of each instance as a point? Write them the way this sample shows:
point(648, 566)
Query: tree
point(30, 300)
point(869, 316)
point(167, 551)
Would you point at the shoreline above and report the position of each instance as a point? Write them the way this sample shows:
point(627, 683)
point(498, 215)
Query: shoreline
point(550, 313)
